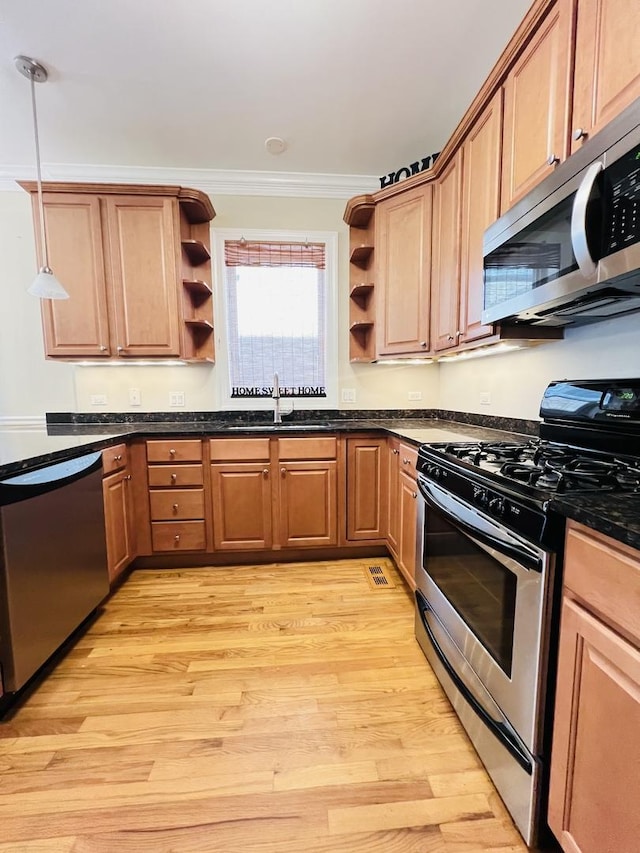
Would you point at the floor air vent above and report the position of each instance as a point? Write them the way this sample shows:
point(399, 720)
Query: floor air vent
point(378, 577)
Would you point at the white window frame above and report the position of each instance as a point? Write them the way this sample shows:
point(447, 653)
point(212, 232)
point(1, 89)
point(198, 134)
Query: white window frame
point(223, 391)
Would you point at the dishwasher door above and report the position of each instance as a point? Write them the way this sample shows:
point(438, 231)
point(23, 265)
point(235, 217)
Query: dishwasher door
point(53, 561)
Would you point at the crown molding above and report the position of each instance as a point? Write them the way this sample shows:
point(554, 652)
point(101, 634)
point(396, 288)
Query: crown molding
point(211, 181)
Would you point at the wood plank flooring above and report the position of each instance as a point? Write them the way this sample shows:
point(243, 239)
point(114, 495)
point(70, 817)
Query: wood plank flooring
point(256, 709)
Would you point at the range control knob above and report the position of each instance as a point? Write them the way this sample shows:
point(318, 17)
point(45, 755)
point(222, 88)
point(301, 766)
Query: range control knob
point(480, 497)
point(497, 506)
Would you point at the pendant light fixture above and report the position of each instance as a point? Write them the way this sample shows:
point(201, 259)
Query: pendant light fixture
point(45, 285)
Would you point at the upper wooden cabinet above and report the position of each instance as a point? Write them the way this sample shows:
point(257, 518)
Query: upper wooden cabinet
point(445, 269)
point(607, 68)
point(480, 207)
point(120, 253)
point(536, 105)
point(403, 247)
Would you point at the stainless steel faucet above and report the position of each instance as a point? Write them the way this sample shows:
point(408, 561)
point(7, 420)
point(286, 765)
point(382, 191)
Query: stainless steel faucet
point(277, 417)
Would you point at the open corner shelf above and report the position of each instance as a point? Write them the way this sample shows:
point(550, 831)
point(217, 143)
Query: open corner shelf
point(361, 255)
point(197, 287)
point(196, 251)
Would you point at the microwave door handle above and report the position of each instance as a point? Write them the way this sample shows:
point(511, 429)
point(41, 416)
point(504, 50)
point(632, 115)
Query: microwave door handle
point(579, 241)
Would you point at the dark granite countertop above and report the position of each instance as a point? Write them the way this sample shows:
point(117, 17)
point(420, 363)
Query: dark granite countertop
point(617, 516)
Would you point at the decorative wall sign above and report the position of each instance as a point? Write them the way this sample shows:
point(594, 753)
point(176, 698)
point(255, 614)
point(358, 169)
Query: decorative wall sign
point(285, 391)
point(408, 171)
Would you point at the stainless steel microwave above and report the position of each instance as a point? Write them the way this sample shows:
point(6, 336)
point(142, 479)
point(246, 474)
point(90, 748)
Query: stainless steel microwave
point(569, 252)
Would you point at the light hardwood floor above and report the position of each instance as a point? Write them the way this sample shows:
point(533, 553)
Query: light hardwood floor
point(260, 709)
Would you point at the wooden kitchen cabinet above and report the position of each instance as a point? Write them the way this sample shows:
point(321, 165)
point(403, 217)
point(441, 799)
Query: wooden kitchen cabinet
point(367, 487)
point(607, 69)
point(595, 761)
point(242, 494)
point(176, 494)
point(481, 161)
point(537, 98)
point(119, 517)
point(445, 268)
point(118, 250)
point(403, 247)
point(403, 507)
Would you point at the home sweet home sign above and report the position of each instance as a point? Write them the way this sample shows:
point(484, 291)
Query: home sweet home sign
point(408, 171)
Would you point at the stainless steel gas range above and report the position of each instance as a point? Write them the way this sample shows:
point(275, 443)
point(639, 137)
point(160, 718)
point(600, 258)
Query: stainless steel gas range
point(491, 559)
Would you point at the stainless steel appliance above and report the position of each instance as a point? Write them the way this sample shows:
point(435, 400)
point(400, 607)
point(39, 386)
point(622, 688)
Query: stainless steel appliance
point(569, 252)
point(53, 563)
point(491, 547)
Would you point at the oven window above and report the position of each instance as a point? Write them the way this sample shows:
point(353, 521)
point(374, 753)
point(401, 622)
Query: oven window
point(481, 590)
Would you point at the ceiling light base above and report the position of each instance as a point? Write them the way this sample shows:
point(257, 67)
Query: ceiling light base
point(31, 69)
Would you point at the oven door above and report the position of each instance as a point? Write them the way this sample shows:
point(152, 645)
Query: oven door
point(486, 588)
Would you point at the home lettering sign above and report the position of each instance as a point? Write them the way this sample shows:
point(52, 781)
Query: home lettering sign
point(285, 391)
point(408, 171)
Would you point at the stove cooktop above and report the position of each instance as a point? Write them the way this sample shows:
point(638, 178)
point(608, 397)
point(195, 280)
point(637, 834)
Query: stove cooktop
point(540, 466)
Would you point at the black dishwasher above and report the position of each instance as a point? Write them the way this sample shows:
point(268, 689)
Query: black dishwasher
point(53, 561)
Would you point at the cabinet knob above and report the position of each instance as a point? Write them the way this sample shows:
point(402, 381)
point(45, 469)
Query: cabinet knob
point(405, 461)
point(103, 348)
point(265, 472)
point(172, 453)
point(396, 451)
point(450, 338)
point(283, 471)
point(174, 477)
point(176, 538)
point(552, 159)
point(175, 508)
point(580, 133)
point(128, 477)
point(423, 344)
point(414, 495)
point(120, 349)
point(117, 458)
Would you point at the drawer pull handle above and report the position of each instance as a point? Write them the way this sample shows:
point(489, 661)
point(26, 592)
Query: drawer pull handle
point(579, 133)
point(396, 451)
point(265, 472)
point(414, 495)
point(172, 452)
point(175, 508)
point(552, 159)
point(405, 461)
point(174, 477)
point(117, 458)
point(283, 471)
point(128, 477)
point(176, 538)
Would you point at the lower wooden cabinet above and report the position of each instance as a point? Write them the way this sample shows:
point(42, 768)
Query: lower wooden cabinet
point(367, 485)
point(308, 504)
point(118, 513)
point(242, 499)
point(595, 765)
point(402, 507)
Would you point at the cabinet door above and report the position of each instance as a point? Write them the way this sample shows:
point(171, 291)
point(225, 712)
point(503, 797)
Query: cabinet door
point(142, 268)
point(595, 783)
point(607, 69)
point(480, 207)
point(366, 488)
point(393, 508)
point(118, 522)
point(242, 498)
point(308, 504)
point(536, 106)
point(77, 326)
point(445, 271)
point(403, 247)
point(408, 505)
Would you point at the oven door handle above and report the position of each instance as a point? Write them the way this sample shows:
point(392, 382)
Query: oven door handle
point(471, 687)
point(482, 530)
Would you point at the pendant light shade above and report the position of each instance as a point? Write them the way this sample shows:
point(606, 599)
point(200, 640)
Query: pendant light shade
point(45, 284)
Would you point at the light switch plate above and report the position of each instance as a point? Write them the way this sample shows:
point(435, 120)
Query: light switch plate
point(348, 395)
point(134, 397)
point(176, 398)
point(98, 399)
point(415, 395)
point(485, 398)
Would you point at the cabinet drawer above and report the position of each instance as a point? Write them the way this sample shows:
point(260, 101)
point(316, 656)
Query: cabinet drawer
point(114, 458)
point(178, 536)
point(408, 459)
point(239, 449)
point(168, 476)
point(605, 574)
point(177, 503)
point(308, 448)
point(177, 450)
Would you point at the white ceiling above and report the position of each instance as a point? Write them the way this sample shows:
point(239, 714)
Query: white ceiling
point(355, 87)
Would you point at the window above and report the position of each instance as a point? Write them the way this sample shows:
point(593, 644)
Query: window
point(277, 315)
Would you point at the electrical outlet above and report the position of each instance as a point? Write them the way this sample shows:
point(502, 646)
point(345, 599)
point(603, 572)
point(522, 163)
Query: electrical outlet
point(485, 398)
point(98, 399)
point(134, 397)
point(348, 395)
point(415, 395)
point(176, 398)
